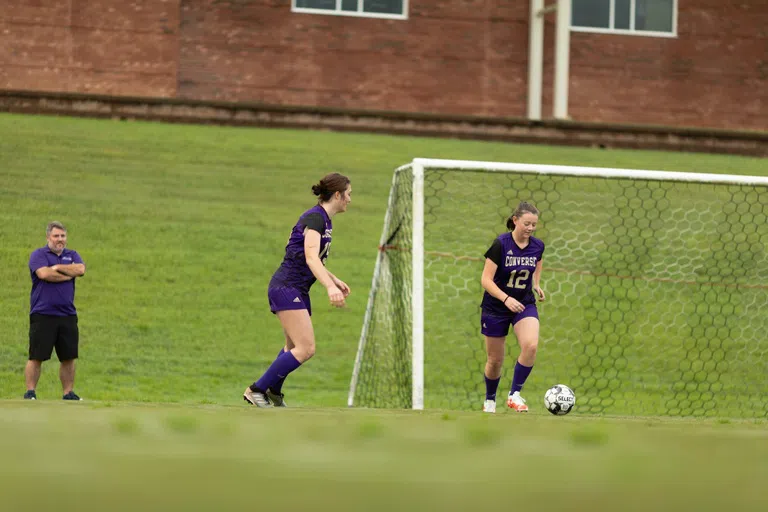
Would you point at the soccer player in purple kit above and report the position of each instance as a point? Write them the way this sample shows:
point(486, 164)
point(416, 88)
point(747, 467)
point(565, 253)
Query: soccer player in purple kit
point(53, 317)
point(304, 263)
point(511, 274)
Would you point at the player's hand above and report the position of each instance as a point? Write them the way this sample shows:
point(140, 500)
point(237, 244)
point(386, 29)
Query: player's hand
point(514, 305)
point(341, 285)
point(336, 296)
point(540, 293)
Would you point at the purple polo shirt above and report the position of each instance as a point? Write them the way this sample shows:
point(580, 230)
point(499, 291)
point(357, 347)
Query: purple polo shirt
point(55, 299)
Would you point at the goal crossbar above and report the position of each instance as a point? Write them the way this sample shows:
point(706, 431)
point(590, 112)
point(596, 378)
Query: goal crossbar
point(595, 172)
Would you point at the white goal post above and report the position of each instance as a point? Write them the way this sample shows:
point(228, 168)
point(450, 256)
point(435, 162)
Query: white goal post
point(634, 208)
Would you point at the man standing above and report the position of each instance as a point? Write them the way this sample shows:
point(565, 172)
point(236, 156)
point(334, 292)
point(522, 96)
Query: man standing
point(52, 317)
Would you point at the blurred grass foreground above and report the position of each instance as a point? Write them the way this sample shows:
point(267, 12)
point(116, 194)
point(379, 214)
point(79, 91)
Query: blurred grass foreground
point(59, 456)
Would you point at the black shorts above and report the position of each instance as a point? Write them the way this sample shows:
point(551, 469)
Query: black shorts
point(47, 332)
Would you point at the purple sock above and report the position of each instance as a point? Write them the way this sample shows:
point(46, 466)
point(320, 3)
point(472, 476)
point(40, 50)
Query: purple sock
point(277, 387)
point(520, 376)
point(279, 369)
point(491, 385)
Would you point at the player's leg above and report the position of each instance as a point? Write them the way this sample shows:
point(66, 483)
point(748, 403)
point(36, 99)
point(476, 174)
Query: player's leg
point(67, 343)
point(495, 331)
point(300, 338)
point(289, 344)
point(494, 347)
point(275, 392)
point(42, 335)
point(526, 328)
point(292, 308)
point(298, 325)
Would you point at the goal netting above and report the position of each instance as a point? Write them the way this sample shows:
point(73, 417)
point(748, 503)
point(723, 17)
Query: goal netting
point(657, 287)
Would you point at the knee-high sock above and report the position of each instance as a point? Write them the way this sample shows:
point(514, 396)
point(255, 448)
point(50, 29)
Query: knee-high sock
point(491, 385)
point(520, 376)
point(279, 369)
point(277, 387)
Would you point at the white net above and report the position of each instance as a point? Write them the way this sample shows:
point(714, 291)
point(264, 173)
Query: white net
point(656, 293)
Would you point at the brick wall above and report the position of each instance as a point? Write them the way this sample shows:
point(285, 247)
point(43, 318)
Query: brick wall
point(465, 57)
point(449, 57)
point(119, 47)
point(715, 73)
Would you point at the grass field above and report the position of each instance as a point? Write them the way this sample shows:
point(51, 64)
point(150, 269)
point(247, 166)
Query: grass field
point(123, 456)
point(180, 228)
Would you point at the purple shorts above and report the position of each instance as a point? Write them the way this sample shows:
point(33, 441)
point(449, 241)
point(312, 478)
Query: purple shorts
point(283, 298)
point(498, 326)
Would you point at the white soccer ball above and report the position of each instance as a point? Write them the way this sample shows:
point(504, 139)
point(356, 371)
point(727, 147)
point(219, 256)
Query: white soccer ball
point(559, 399)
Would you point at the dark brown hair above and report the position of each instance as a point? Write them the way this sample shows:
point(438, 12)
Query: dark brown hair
point(329, 185)
point(523, 207)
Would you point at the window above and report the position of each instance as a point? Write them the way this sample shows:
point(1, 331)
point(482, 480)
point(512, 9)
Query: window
point(639, 17)
point(368, 8)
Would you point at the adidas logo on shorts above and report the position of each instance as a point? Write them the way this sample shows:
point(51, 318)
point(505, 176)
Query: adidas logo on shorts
point(297, 299)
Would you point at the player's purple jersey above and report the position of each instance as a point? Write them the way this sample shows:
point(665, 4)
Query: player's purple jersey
point(294, 271)
point(514, 274)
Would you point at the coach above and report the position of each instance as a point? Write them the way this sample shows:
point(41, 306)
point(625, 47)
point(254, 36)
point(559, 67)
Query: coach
point(52, 316)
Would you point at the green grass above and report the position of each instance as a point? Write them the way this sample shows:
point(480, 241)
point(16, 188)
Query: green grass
point(124, 456)
point(181, 227)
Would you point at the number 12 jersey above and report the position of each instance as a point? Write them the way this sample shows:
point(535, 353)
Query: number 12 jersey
point(514, 272)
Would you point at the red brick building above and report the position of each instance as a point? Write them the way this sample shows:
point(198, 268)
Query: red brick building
point(667, 62)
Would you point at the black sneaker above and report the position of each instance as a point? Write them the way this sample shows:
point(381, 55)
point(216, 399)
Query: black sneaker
point(277, 399)
point(71, 396)
point(30, 395)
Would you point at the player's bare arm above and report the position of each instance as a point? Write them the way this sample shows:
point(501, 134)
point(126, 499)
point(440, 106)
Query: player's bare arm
point(71, 270)
point(312, 255)
point(489, 270)
point(51, 275)
point(344, 287)
point(537, 281)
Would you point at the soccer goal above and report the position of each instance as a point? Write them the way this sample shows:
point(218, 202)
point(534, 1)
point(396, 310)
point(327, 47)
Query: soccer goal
point(657, 289)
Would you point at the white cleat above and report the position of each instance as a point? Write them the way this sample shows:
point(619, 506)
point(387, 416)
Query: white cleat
point(489, 406)
point(516, 402)
point(256, 398)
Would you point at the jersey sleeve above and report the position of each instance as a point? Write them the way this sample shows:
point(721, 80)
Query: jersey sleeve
point(313, 221)
point(37, 261)
point(76, 258)
point(494, 252)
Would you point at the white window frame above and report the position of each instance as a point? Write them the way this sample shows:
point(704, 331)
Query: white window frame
point(359, 13)
point(631, 31)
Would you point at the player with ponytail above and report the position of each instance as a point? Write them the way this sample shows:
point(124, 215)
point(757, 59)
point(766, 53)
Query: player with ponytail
point(304, 263)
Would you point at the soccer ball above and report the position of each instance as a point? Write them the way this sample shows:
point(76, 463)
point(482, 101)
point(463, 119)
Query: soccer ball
point(559, 399)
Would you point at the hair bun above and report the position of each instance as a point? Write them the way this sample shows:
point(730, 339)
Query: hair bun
point(329, 185)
